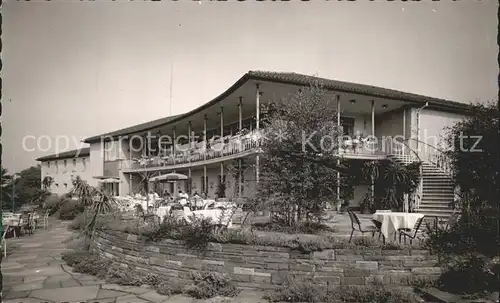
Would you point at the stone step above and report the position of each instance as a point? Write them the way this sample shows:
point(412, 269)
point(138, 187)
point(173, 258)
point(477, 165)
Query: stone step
point(439, 184)
point(436, 176)
point(437, 196)
point(435, 203)
point(433, 207)
point(438, 190)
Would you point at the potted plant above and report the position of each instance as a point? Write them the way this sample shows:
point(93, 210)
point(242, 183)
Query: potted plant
point(365, 204)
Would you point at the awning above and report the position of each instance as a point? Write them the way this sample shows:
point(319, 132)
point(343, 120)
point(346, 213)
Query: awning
point(169, 177)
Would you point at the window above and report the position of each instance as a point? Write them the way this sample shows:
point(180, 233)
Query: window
point(48, 164)
point(65, 164)
point(84, 162)
point(57, 166)
point(74, 163)
point(111, 150)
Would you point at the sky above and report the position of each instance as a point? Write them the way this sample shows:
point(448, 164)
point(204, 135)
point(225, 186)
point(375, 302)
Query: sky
point(76, 69)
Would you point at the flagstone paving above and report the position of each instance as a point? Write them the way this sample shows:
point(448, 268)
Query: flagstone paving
point(35, 273)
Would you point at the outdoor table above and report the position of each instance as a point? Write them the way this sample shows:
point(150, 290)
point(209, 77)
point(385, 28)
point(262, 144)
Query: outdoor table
point(392, 221)
point(163, 211)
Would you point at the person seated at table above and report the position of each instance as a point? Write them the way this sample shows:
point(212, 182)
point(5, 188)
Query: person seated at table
point(183, 194)
point(197, 201)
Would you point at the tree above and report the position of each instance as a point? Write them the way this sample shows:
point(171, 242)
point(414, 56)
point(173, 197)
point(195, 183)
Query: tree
point(476, 154)
point(470, 248)
point(6, 186)
point(47, 182)
point(299, 166)
point(29, 185)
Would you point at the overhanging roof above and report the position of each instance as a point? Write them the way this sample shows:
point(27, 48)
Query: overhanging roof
point(83, 152)
point(301, 80)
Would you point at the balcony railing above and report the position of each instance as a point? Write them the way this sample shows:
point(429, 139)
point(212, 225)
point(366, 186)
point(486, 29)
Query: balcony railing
point(235, 145)
point(228, 146)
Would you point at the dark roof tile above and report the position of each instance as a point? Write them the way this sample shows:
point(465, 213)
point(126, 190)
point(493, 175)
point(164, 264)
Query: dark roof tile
point(83, 152)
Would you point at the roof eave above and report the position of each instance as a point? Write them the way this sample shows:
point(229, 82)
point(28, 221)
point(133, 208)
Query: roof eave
point(434, 103)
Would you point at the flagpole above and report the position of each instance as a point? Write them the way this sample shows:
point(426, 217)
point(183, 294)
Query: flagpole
point(14, 184)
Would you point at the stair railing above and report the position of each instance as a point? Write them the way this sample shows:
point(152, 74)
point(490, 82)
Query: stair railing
point(401, 149)
point(435, 156)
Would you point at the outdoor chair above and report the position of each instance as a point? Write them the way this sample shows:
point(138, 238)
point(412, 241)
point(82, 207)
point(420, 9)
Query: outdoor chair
point(356, 226)
point(29, 225)
point(411, 234)
point(46, 220)
point(4, 242)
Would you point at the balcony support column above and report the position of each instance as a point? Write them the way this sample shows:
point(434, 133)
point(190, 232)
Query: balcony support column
point(340, 133)
point(240, 114)
point(404, 131)
point(205, 183)
point(190, 182)
point(174, 147)
point(257, 128)
point(205, 137)
point(239, 178)
point(189, 140)
point(221, 123)
point(372, 190)
point(221, 173)
point(130, 165)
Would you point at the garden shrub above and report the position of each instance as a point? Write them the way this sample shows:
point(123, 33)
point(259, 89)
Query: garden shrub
point(198, 234)
point(204, 285)
point(309, 291)
point(210, 284)
point(468, 251)
point(70, 208)
point(78, 222)
point(170, 287)
point(86, 262)
point(52, 204)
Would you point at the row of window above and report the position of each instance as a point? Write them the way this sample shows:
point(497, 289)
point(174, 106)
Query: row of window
point(65, 164)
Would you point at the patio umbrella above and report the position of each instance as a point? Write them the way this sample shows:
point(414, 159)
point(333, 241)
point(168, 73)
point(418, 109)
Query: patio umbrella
point(109, 180)
point(169, 177)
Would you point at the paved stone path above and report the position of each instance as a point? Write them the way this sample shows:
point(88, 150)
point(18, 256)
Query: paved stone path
point(35, 273)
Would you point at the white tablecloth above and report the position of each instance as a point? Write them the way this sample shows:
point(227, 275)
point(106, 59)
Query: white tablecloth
point(392, 221)
point(163, 211)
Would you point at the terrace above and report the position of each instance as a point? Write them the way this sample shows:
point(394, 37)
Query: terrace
point(241, 145)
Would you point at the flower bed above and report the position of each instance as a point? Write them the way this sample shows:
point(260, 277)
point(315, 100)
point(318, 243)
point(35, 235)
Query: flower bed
point(265, 267)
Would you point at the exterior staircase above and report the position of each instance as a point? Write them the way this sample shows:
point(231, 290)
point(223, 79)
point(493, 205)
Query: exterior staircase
point(437, 191)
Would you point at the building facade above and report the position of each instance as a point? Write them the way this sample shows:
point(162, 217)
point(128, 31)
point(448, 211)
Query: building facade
point(64, 167)
point(218, 141)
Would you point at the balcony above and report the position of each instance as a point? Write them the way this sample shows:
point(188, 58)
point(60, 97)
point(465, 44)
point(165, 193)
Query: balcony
point(227, 148)
point(233, 147)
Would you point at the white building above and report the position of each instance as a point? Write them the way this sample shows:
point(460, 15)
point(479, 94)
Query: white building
point(63, 167)
point(374, 111)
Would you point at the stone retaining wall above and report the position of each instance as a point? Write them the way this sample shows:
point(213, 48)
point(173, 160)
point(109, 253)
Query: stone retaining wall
point(264, 267)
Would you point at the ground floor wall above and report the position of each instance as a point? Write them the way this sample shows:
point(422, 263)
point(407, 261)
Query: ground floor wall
point(133, 183)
